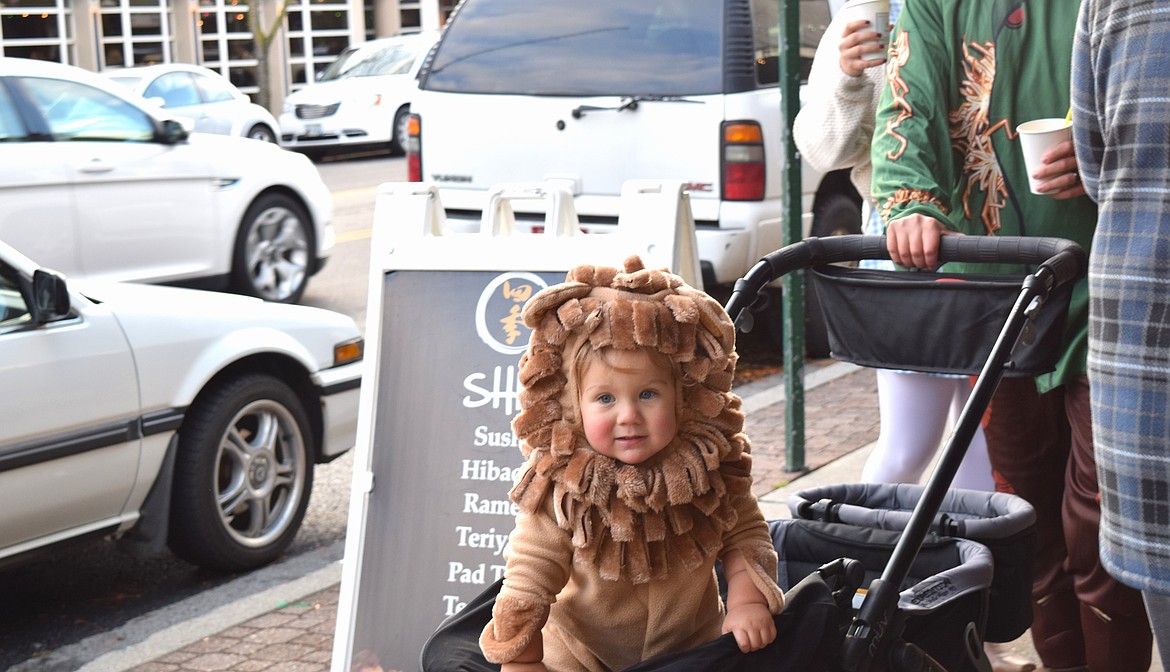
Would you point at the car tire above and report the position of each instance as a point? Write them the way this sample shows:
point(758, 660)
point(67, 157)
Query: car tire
point(835, 214)
point(274, 250)
point(243, 475)
point(399, 137)
point(262, 133)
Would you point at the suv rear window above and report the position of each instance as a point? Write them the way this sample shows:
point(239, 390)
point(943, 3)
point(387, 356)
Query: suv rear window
point(575, 48)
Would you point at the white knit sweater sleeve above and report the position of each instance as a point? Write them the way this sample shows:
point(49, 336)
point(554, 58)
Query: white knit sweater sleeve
point(835, 126)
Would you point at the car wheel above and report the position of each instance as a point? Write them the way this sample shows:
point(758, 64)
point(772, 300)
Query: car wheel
point(400, 136)
point(262, 133)
point(243, 474)
point(273, 250)
point(835, 214)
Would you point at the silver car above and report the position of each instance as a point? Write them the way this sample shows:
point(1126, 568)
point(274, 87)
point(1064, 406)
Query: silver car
point(165, 416)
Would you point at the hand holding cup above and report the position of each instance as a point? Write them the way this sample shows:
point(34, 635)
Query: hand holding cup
point(1050, 158)
point(859, 45)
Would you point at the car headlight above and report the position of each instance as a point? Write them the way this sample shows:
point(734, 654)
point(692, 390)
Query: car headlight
point(349, 351)
point(287, 108)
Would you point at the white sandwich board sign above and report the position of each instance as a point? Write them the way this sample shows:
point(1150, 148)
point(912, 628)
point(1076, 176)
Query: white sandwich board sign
point(435, 457)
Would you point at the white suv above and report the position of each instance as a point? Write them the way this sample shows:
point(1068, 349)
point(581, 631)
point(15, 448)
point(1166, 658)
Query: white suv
point(593, 94)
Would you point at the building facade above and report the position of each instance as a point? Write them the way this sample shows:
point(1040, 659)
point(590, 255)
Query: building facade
point(105, 34)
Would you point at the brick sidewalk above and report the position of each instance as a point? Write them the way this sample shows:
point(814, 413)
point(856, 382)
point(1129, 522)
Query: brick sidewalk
point(297, 637)
point(840, 417)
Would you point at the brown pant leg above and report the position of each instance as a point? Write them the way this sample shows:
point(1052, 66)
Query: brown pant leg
point(1028, 442)
point(1113, 617)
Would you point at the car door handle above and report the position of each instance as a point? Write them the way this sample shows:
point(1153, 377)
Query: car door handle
point(97, 166)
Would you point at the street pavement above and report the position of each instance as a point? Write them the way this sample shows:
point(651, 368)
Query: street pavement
point(290, 626)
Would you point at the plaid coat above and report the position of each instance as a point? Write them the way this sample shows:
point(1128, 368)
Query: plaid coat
point(1121, 119)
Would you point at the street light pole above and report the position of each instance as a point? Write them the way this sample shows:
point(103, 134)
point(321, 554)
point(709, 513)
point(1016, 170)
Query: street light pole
point(792, 283)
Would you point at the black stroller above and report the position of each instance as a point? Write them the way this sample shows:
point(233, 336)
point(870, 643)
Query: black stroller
point(889, 577)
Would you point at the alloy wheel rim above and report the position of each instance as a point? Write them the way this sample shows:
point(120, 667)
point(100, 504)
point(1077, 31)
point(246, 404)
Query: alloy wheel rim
point(259, 474)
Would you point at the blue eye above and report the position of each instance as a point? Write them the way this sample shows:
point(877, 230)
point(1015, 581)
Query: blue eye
point(647, 394)
point(605, 398)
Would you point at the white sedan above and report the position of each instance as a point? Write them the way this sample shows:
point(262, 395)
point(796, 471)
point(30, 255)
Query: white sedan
point(202, 95)
point(94, 184)
point(362, 100)
point(165, 415)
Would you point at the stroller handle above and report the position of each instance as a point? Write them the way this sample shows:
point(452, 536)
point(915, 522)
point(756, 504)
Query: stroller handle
point(1064, 260)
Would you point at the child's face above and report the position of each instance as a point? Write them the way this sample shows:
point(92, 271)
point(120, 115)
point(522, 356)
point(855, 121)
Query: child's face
point(628, 405)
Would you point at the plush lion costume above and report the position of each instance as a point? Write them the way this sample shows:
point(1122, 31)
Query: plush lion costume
point(620, 558)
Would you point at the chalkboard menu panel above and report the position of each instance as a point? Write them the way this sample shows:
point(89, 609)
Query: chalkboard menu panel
point(443, 455)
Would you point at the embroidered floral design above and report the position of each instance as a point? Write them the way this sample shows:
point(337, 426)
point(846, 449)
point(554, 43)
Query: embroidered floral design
point(971, 135)
point(903, 196)
point(899, 54)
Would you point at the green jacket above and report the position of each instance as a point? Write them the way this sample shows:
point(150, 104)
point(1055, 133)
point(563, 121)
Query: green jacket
point(962, 75)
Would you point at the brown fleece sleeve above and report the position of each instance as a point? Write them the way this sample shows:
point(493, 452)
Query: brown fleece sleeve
point(751, 537)
point(539, 559)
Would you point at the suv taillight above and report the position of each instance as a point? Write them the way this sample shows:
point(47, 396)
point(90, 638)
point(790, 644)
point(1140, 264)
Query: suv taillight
point(414, 148)
point(742, 156)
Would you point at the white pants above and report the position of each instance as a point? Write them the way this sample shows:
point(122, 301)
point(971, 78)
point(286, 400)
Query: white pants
point(915, 410)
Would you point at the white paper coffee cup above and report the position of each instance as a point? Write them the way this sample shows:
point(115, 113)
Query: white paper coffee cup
point(877, 12)
point(1036, 138)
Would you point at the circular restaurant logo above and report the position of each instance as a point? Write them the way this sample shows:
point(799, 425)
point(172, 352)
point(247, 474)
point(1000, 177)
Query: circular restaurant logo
point(497, 315)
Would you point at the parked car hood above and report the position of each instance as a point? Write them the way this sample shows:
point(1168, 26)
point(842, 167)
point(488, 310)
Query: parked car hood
point(322, 93)
point(167, 324)
point(206, 311)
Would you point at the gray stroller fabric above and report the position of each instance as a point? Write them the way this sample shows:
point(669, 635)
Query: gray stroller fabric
point(942, 599)
point(1002, 522)
point(967, 566)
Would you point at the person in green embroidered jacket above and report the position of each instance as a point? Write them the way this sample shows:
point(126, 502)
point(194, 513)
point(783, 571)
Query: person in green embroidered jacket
point(961, 76)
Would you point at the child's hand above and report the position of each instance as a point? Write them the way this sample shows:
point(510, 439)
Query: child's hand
point(514, 666)
point(752, 626)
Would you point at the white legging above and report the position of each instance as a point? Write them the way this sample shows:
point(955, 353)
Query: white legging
point(915, 410)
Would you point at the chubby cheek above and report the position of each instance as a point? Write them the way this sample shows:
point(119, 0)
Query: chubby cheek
point(667, 426)
point(598, 430)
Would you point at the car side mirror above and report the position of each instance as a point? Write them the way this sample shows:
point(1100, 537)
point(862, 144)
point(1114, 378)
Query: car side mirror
point(174, 132)
point(50, 296)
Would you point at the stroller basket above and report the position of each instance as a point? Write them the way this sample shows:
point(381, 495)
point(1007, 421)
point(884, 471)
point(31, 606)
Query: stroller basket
point(1003, 523)
point(973, 308)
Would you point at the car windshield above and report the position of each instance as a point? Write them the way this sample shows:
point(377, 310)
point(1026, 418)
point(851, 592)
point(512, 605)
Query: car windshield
point(600, 47)
point(368, 60)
